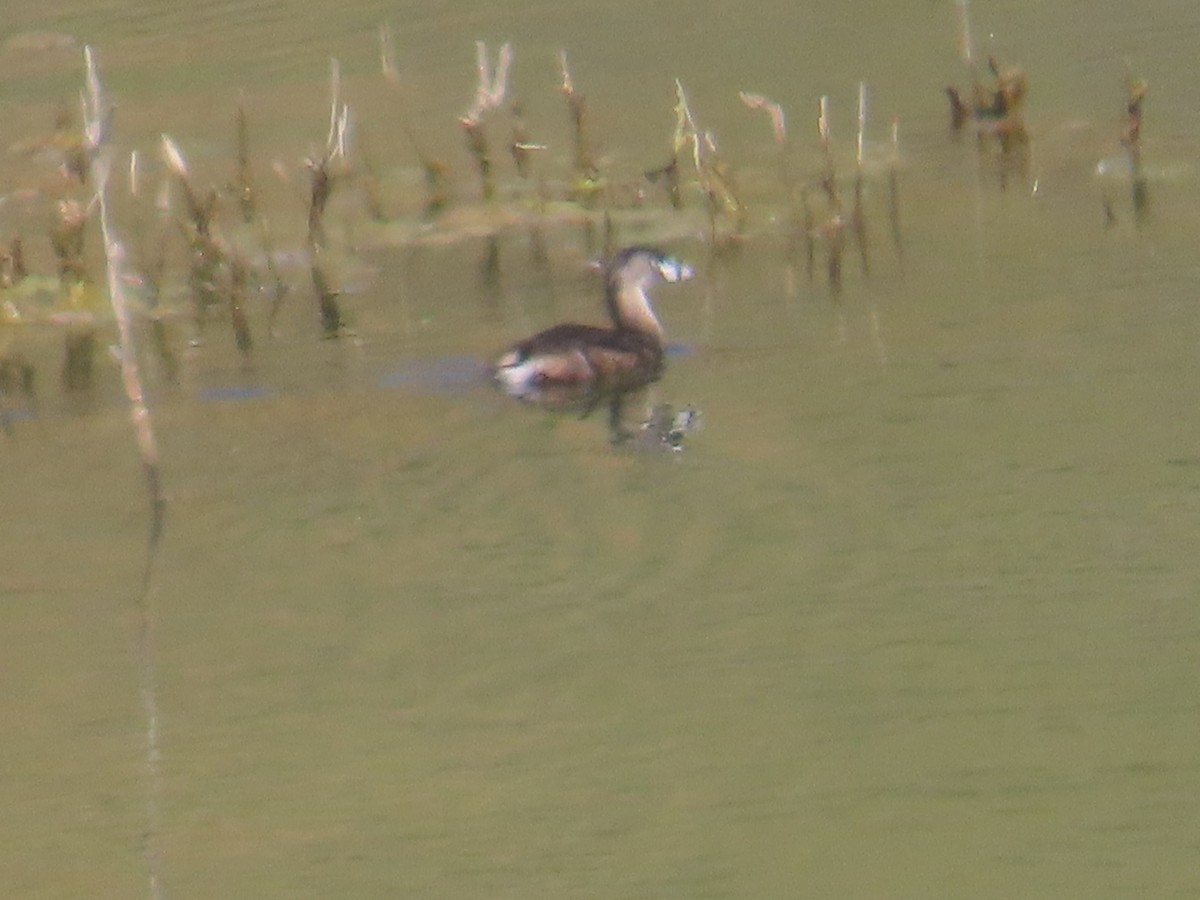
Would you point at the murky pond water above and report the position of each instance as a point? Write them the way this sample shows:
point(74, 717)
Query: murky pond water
point(912, 615)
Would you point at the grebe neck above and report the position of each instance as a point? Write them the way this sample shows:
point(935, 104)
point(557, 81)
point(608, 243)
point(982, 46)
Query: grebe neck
point(629, 306)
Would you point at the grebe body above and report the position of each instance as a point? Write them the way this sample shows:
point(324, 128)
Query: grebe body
point(572, 364)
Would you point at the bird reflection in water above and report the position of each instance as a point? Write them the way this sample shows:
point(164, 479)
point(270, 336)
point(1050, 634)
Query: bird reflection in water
point(573, 367)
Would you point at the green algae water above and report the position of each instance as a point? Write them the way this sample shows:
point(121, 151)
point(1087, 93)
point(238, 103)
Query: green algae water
point(912, 614)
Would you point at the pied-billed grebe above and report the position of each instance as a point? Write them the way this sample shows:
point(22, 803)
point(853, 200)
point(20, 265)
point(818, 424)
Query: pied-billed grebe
point(577, 364)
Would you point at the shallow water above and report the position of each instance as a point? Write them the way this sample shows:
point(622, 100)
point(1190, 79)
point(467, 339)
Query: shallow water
point(911, 615)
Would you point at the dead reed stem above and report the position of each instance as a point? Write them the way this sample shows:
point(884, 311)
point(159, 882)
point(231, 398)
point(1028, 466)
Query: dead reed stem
point(586, 171)
point(716, 179)
point(211, 273)
point(680, 138)
point(808, 224)
point(1131, 139)
point(489, 95)
point(834, 226)
point(246, 190)
point(97, 117)
point(858, 218)
point(779, 132)
point(247, 195)
point(325, 171)
point(894, 192)
point(522, 147)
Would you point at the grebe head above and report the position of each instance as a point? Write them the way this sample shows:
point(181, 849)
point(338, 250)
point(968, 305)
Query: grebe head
point(628, 277)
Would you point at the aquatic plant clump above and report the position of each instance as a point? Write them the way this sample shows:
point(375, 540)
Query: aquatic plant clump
point(206, 252)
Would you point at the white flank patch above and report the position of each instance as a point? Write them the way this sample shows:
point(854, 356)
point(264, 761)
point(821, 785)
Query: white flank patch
point(515, 377)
